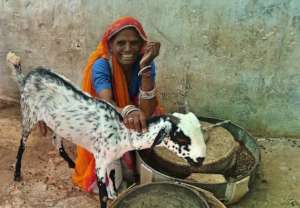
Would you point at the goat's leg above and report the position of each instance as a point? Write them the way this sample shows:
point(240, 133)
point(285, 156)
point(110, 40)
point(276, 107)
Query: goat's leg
point(59, 144)
point(17, 175)
point(27, 124)
point(66, 157)
point(111, 173)
point(29, 119)
point(100, 171)
point(102, 193)
point(112, 184)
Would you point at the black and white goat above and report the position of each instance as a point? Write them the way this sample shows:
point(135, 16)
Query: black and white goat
point(96, 125)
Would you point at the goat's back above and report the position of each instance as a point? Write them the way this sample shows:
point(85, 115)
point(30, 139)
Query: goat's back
point(69, 112)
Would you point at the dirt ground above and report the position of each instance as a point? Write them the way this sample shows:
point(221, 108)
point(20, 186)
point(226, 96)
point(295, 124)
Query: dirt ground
point(278, 179)
point(47, 183)
point(45, 175)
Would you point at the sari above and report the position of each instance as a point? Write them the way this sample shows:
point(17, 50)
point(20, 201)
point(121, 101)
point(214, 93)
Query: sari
point(85, 175)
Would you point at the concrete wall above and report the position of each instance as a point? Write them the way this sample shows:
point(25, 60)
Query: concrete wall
point(234, 59)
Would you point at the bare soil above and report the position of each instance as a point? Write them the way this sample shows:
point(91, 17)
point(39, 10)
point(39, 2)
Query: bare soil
point(46, 178)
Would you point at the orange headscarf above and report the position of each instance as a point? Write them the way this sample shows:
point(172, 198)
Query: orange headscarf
point(84, 175)
point(102, 51)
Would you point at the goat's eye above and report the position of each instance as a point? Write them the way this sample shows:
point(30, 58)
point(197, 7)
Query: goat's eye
point(182, 141)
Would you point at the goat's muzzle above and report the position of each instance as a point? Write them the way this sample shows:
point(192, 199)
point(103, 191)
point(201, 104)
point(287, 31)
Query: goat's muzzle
point(198, 163)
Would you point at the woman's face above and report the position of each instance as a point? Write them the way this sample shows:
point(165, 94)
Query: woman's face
point(126, 46)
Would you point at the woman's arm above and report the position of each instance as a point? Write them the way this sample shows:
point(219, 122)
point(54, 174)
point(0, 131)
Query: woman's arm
point(135, 120)
point(151, 51)
point(147, 105)
point(106, 95)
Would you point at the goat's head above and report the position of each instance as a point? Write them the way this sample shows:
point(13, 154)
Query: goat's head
point(186, 138)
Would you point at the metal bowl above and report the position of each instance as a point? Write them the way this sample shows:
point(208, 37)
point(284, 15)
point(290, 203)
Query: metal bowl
point(230, 191)
point(161, 195)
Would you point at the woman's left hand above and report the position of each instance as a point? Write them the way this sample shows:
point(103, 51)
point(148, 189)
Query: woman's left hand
point(151, 50)
point(136, 120)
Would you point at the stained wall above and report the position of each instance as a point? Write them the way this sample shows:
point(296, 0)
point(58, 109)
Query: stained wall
point(233, 59)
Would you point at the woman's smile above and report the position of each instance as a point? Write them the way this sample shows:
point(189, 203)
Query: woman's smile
point(127, 56)
point(126, 46)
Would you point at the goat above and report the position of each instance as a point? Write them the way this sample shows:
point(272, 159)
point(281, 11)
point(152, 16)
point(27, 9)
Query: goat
point(96, 125)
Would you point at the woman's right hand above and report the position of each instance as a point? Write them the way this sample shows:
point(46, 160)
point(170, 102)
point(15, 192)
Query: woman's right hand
point(136, 120)
point(151, 51)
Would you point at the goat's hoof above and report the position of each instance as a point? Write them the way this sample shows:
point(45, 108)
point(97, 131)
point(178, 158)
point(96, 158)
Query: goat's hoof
point(112, 195)
point(17, 178)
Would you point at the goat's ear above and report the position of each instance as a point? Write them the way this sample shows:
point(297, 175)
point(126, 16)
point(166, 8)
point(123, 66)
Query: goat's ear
point(174, 119)
point(179, 115)
point(159, 138)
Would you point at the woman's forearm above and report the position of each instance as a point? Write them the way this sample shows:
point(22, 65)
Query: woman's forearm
point(108, 97)
point(147, 105)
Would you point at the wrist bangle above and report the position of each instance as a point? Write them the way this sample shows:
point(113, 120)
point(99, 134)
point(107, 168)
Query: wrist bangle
point(147, 95)
point(128, 109)
point(143, 69)
point(146, 75)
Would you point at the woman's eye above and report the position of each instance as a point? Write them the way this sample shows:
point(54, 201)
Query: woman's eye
point(135, 43)
point(121, 43)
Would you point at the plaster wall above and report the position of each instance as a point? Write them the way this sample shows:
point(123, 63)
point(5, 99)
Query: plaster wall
point(233, 59)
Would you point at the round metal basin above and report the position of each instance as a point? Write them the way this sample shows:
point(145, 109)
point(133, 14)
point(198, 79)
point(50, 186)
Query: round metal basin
point(230, 191)
point(161, 195)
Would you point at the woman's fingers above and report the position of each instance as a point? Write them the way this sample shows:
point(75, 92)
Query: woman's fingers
point(137, 124)
point(129, 121)
point(143, 122)
point(157, 48)
point(125, 121)
point(136, 121)
point(152, 47)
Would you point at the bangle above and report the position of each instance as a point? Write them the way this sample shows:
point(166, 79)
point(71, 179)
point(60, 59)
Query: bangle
point(147, 95)
point(128, 109)
point(143, 69)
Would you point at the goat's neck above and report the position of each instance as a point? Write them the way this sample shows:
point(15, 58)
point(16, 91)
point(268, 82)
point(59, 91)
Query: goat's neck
point(145, 140)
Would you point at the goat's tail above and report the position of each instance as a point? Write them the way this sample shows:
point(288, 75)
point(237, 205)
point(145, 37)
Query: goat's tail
point(14, 63)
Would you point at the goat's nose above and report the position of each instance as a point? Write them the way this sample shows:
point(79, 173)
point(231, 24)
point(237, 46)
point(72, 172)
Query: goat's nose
point(200, 160)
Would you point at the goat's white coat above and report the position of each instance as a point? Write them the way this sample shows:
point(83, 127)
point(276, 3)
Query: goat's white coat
point(92, 124)
point(191, 126)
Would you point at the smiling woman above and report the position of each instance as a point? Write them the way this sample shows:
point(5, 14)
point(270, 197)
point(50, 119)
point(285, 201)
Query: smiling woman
point(121, 71)
point(126, 47)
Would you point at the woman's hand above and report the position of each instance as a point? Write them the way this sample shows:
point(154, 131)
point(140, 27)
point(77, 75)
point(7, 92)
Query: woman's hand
point(136, 120)
point(151, 50)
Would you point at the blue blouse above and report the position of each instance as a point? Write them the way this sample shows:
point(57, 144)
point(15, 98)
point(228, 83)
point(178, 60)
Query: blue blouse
point(102, 79)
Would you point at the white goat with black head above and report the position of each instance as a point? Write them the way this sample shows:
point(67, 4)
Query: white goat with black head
point(96, 125)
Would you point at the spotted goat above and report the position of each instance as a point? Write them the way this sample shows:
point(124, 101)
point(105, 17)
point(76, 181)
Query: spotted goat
point(96, 125)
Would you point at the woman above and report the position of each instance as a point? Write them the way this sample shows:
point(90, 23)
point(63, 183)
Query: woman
point(120, 71)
